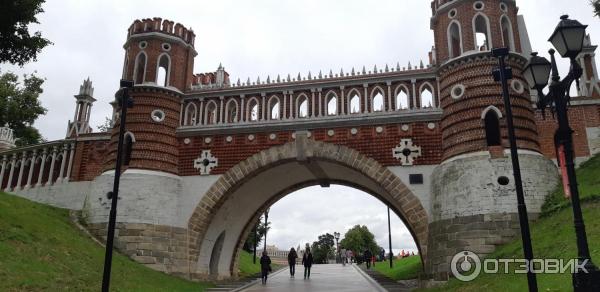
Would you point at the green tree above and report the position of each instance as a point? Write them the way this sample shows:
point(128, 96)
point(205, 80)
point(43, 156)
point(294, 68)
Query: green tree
point(358, 239)
point(322, 249)
point(596, 5)
point(20, 106)
point(106, 126)
point(260, 233)
point(17, 45)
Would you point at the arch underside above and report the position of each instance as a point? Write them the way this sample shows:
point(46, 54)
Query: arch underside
point(238, 198)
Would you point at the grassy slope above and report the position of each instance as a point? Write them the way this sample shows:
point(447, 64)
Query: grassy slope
point(41, 251)
point(247, 268)
point(553, 236)
point(406, 268)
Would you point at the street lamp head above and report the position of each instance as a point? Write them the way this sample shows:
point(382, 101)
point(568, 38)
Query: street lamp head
point(537, 71)
point(568, 37)
point(336, 235)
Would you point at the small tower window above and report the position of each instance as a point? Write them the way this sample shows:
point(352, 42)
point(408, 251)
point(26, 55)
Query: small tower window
point(211, 113)
point(231, 111)
point(162, 73)
point(253, 110)
point(426, 97)
point(454, 40)
point(482, 40)
point(492, 128)
point(190, 115)
point(128, 148)
point(303, 107)
point(140, 68)
point(274, 108)
point(507, 33)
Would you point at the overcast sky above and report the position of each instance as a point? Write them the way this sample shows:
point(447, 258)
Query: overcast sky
point(260, 38)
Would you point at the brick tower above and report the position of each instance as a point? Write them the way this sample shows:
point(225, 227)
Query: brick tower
point(468, 199)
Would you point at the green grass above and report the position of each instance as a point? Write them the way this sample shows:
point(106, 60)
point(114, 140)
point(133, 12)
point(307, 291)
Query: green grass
point(406, 268)
point(247, 268)
point(553, 236)
point(40, 250)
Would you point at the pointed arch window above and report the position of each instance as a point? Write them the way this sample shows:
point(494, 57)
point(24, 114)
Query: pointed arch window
point(454, 40)
point(140, 68)
point(162, 70)
point(332, 105)
point(128, 148)
point(378, 102)
point(354, 103)
point(401, 100)
point(492, 128)
point(232, 111)
point(274, 108)
point(190, 115)
point(211, 113)
point(507, 33)
point(426, 97)
point(253, 110)
point(481, 33)
point(303, 107)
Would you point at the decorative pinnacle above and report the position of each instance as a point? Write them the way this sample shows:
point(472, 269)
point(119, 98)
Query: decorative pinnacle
point(353, 73)
point(397, 66)
point(278, 79)
point(330, 73)
point(309, 76)
point(387, 69)
point(364, 71)
point(320, 75)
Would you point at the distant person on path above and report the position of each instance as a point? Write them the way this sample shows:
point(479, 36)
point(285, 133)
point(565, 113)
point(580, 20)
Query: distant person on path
point(292, 256)
point(349, 256)
point(265, 266)
point(343, 256)
point(307, 261)
point(367, 256)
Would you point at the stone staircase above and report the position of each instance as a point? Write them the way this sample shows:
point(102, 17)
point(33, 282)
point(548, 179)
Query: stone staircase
point(389, 284)
point(234, 285)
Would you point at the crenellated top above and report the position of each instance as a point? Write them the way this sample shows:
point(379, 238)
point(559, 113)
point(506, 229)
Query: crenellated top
point(157, 24)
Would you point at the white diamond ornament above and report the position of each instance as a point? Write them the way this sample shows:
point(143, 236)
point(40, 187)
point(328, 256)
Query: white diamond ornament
point(205, 162)
point(406, 152)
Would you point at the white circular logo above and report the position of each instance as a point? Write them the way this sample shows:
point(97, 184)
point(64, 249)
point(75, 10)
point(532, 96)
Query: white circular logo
point(465, 266)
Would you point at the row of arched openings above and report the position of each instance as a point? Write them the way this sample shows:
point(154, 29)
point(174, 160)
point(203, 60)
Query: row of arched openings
point(163, 69)
point(481, 35)
point(332, 106)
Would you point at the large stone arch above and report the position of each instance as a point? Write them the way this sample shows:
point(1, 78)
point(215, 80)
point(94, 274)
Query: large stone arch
point(374, 179)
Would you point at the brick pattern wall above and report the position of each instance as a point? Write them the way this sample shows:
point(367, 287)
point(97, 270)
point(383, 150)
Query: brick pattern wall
point(88, 159)
point(367, 141)
point(463, 129)
point(580, 118)
point(156, 144)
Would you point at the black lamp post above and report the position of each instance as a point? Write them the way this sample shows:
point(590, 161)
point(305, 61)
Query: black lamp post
point(255, 239)
point(336, 235)
point(390, 239)
point(568, 41)
point(502, 74)
point(124, 101)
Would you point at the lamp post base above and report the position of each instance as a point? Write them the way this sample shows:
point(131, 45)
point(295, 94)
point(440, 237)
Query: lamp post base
point(587, 281)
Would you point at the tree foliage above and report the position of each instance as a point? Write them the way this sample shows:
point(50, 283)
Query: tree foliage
point(106, 126)
point(358, 239)
point(20, 106)
point(261, 229)
point(596, 5)
point(17, 45)
point(322, 249)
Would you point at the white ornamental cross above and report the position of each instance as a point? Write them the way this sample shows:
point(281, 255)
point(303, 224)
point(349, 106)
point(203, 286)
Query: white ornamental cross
point(205, 162)
point(406, 152)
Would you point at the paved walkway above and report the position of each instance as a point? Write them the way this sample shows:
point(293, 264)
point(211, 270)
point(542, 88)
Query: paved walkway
point(329, 278)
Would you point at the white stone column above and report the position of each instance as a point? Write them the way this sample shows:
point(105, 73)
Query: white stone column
point(285, 116)
point(2, 170)
point(389, 96)
point(42, 166)
point(31, 167)
point(264, 117)
point(366, 99)
point(321, 106)
point(436, 99)
point(201, 116)
point(243, 109)
point(50, 175)
point(221, 119)
point(414, 95)
point(62, 165)
point(21, 169)
point(312, 103)
point(70, 166)
point(12, 171)
point(292, 115)
point(342, 109)
point(181, 121)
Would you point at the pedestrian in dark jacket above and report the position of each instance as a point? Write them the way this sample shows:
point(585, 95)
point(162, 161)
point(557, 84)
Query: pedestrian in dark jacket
point(307, 261)
point(367, 256)
point(265, 266)
point(292, 256)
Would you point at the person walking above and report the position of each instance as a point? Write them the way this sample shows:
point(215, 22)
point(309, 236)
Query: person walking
point(307, 261)
point(292, 256)
point(265, 266)
point(367, 256)
point(349, 256)
point(343, 256)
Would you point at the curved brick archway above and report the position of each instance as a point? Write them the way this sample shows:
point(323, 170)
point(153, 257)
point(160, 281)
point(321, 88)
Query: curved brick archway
point(303, 149)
